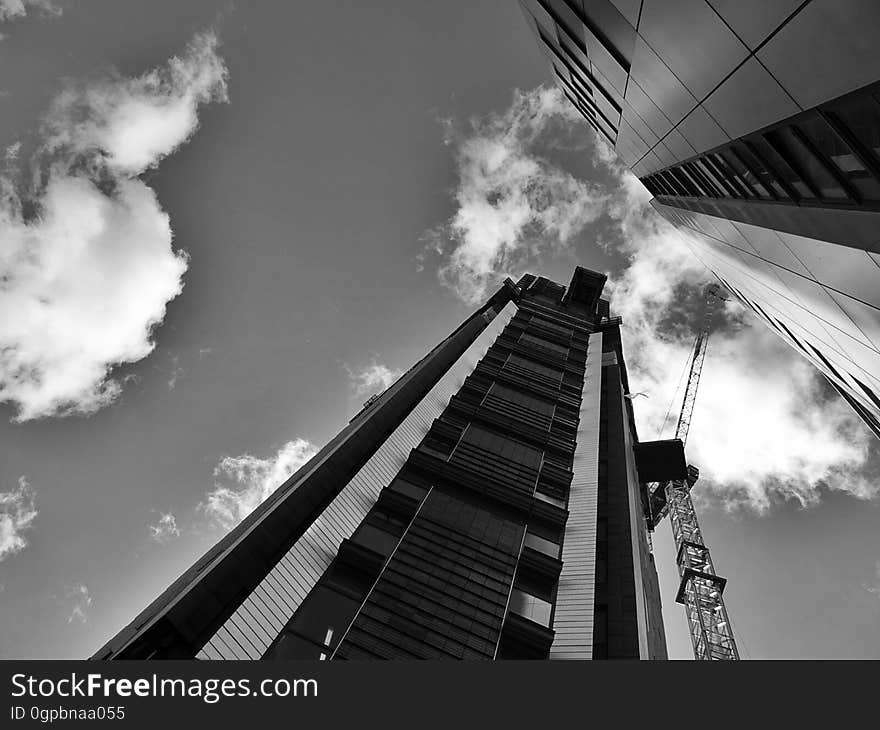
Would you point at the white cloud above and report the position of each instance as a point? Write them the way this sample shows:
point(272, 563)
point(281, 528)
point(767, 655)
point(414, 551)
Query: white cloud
point(11, 9)
point(82, 602)
point(764, 429)
point(243, 482)
point(165, 529)
point(17, 515)
point(511, 201)
point(372, 378)
point(86, 278)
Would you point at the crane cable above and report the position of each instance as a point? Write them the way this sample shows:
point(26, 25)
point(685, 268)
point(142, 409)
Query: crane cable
point(677, 389)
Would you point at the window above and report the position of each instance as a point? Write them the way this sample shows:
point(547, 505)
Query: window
point(552, 326)
point(744, 173)
point(841, 155)
point(413, 491)
point(704, 181)
point(542, 545)
point(528, 339)
point(376, 539)
point(550, 500)
point(321, 619)
point(547, 372)
point(722, 165)
point(671, 185)
point(762, 149)
point(801, 157)
point(685, 185)
point(723, 176)
point(545, 408)
point(694, 182)
point(507, 448)
point(860, 115)
point(713, 175)
point(531, 607)
point(291, 646)
point(761, 170)
point(661, 185)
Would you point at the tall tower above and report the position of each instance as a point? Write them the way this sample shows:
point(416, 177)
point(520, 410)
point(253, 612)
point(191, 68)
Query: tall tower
point(756, 126)
point(488, 505)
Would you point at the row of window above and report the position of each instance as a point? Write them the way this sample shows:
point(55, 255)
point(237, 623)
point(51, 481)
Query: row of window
point(514, 451)
point(524, 400)
point(543, 344)
point(577, 80)
point(551, 326)
point(829, 155)
point(554, 374)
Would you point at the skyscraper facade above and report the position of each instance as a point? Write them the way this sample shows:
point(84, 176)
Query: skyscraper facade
point(756, 126)
point(490, 504)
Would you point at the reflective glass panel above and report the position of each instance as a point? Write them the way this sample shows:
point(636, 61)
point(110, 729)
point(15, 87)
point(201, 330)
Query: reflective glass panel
point(745, 174)
point(861, 115)
point(694, 182)
point(795, 150)
point(707, 184)
point(542, 545)
point(764, 174)
point(771, 157)
point(711, 173)
point(532, 607)
point(725, 170)
point(832, 145)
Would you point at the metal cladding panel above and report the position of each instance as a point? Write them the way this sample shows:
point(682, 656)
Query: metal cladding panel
point(701, 131)
point(748, 100)
point(250, 630)
point(719, 68)
point(701, 55)
point(573, 616)
point(829, 48)
point(811, 293)
point(754, 20)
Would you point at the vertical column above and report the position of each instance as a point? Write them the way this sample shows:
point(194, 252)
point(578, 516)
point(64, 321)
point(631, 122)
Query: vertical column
point(573, 617)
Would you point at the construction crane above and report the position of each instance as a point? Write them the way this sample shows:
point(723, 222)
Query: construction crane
point(700, 588)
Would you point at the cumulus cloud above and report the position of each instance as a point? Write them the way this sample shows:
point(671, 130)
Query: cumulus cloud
point(765, 427)
point(17, 515)
point(12, 9)
point(82, 601)
point(511, 200)
point(166, 529)
point(243, 482)
point(86, 262)
point(372, 378)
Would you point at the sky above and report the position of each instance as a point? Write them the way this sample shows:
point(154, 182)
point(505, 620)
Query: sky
point(224, 226)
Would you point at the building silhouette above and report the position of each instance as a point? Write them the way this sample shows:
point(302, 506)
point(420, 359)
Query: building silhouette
point(490, 504)
point(756, 126)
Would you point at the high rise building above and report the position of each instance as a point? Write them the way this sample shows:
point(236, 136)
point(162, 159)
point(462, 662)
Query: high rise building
point(488, 505)
point(756, 126)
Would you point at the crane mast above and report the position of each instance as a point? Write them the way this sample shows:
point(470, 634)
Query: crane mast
point(700, 587)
